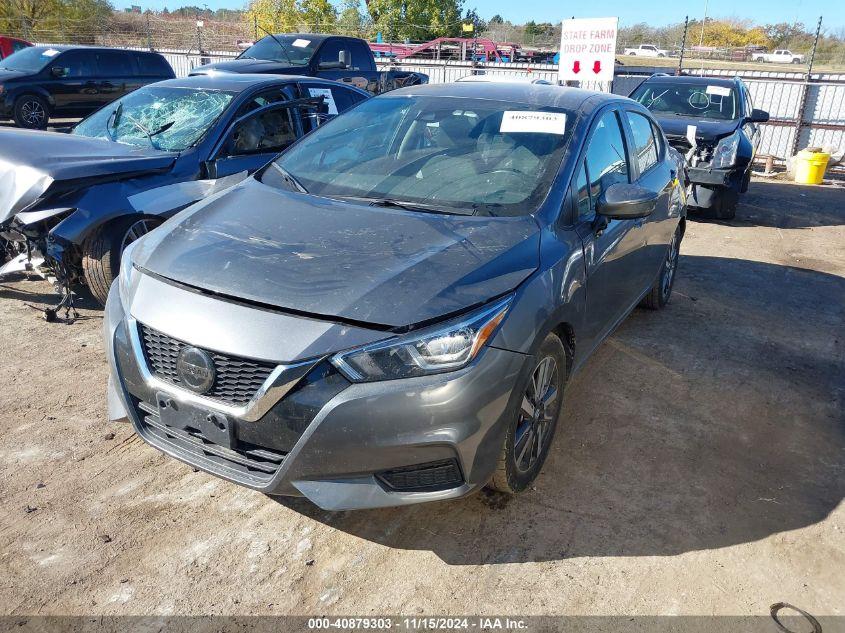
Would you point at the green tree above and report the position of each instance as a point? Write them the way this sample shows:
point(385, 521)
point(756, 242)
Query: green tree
point(419, 20)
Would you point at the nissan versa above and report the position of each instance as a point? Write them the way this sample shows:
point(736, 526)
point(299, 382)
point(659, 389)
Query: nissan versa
point(388, 313)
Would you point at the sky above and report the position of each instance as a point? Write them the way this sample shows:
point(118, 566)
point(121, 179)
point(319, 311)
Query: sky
point(654, 13)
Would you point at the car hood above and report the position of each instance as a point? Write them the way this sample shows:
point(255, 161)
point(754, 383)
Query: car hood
point(706, 130)
point(6, 74)
point(31, 162)
point(338, 260)
point(250, 66)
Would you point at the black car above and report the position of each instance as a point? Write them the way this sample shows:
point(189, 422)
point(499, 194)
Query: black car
point(345, 59)
point(79, 199)
point(41, 82)
point(713, 122)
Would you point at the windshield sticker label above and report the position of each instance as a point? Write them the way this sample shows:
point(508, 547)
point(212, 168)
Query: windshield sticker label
point(722, 91)
point(537, 122)
point(328, 99)
point(300, 43)
point(50, 52)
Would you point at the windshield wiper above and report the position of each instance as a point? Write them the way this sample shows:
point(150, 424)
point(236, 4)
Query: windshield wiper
point(407, 205)
point(113, 122)
point(148, 134)
point(288, 178)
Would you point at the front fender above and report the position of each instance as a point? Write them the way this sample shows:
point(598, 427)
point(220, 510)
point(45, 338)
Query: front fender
point(16, 91)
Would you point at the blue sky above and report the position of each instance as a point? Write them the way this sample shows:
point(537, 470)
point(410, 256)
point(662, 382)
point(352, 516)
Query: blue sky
point(629, 12)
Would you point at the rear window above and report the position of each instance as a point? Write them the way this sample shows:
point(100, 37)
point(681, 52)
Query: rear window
point(154, 65)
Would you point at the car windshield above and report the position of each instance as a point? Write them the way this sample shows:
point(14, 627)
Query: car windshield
point(702, 101)
point(289, 49)
point(167, 119)
point(432, 154)
point(29, 60)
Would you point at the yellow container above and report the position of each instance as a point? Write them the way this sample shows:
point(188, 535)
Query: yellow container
point(810, 167)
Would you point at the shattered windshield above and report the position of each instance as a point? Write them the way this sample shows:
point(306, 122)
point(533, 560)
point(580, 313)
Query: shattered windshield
point(432, 154)
point(29, 60)
point(288, 49)
point(702, 101)
point(165, 118)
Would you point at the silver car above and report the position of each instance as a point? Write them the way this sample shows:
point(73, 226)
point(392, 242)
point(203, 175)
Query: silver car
point(389, 312)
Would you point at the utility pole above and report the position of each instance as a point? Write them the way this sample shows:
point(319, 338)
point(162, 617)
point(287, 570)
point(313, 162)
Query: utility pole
point(149, 32)
point(683, 45)
point(701, 39)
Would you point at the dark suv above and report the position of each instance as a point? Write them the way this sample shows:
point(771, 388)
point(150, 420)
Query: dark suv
point(40, 82)
point(713, 122)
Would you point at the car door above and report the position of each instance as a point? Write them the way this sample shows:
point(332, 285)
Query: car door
point(72, 82)
point(117, 75)
point(359, 72)
point(751, 129)
point(256, 138)
point(651, 171)
point(611, 247)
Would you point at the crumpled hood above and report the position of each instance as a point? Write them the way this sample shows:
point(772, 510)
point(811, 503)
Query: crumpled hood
point(31, 161)
point(250, 66)
point(707, 131)
point(332, 259)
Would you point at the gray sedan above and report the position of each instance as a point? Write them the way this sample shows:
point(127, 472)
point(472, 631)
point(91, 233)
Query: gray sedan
point(389, 312)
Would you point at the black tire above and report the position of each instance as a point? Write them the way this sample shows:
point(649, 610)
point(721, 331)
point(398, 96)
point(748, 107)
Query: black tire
point(31, 112)
point(661, 291)
point(102, 250)
point(514, 473)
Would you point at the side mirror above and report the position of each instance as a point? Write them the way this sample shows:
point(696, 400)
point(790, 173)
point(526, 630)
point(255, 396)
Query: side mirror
point(626, 202)
point(331, 66)
point(345, 58)
point(758, 116)
point(58, 72)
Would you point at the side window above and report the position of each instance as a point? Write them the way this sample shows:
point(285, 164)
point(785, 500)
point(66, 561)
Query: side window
point(153, 65)
point(266, 132)
point(644, 146)
point(582, 192)
point(362, 58)
point(606, 160)
point(266, 97)
point(77, 64)
point(658, 140)
point(114, 63)
point(330, 51)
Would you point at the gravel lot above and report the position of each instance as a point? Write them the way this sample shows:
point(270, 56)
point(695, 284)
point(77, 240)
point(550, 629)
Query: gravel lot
point(699, 468)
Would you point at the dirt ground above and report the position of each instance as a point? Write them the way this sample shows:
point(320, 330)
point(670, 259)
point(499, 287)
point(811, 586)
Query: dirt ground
point(699, 468)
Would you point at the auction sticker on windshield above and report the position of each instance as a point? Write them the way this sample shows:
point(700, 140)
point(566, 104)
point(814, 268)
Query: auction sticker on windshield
point(537, 122)
point(722, 91)
point(300, 43)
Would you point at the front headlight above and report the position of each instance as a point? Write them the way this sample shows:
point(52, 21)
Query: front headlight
point(444, 347)
point(127, 274)
point(725, 153)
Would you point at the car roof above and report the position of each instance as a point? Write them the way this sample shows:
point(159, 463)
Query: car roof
point(71, 47)
point(237, 82)
point(728, 82)
point(574, 99)
point(314, 37)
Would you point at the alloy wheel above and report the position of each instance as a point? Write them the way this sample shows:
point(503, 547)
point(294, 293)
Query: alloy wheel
point(33, 113)
point(669, 268)
point(533, 430)
point(137, 230)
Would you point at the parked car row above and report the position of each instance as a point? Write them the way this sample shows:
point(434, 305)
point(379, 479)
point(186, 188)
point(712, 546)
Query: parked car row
point(420, 275)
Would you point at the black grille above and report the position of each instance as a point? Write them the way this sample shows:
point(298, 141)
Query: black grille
point(424, 477)
point(255, 463)
point(237, 378)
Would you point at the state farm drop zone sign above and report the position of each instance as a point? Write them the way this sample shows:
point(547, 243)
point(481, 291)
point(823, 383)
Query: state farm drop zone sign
point(588, 49)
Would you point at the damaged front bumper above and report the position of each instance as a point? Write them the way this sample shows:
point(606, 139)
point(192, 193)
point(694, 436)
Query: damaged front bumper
point(341, 445)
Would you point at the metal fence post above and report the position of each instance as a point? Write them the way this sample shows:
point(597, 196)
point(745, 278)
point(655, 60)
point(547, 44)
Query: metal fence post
point(805, 92)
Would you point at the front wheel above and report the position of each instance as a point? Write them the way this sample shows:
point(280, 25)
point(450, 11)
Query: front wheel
point(529, 434)
point(102, 251)
point(660, 292)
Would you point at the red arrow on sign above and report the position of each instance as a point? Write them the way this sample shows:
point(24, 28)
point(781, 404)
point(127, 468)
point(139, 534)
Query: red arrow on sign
point(576, 67)
point(597, 67)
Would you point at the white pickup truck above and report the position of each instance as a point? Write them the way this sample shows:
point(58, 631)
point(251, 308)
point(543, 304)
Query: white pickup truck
point(647, 50)
point(780, 56)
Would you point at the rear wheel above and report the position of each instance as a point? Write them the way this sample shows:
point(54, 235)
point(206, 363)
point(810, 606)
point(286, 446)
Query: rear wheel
point(31, 112)
point(530, 433)
point(659, 294)
point(102, 251)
